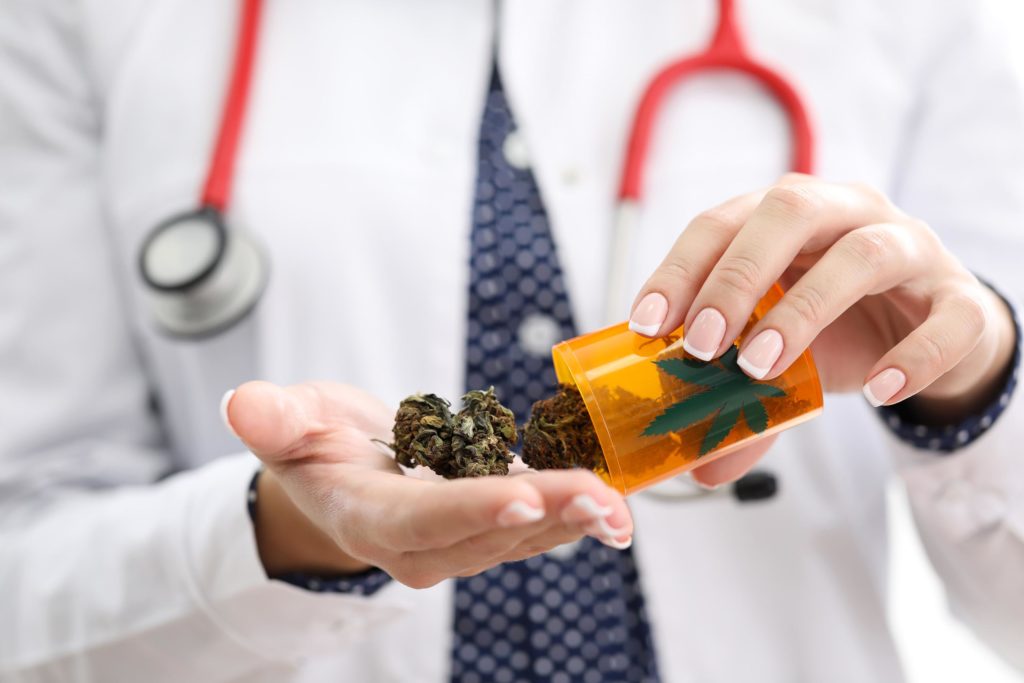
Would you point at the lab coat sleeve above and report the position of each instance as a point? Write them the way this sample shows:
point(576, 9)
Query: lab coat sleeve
point(964, 174)
point(106, 572)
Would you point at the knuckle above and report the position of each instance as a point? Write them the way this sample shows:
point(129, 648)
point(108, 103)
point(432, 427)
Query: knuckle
point(932, 351)
point(798, 200)
point(740, 274)
point(717, 221)
point(972, 312)
point(808, 304)
point(674, 271)
point(869, 246)
point(874, 196)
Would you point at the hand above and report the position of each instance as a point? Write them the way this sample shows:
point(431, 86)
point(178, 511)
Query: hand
point(332, 501)
point(884, 306)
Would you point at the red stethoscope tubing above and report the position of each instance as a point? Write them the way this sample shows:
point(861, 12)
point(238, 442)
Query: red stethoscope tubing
point(220, 176)
point(727, 52)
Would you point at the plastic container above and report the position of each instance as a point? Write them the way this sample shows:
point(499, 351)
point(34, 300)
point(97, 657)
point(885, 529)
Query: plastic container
point(659, 412)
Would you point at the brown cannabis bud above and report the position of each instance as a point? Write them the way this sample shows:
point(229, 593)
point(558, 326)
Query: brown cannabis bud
point(472, 443)
point(423, 430)
point(560, 434)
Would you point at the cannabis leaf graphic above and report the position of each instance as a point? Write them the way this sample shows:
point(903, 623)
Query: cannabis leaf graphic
point(734, 394)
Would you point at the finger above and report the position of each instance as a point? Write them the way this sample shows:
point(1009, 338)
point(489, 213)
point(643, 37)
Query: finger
point(790, 219)
point(731, 467)
point(935, 347)
point(404, 514)
point(865, 261)
point(283, 423)
point(665, 297)
point(578, 501)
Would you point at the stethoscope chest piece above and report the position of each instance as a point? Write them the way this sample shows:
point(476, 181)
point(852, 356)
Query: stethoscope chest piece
point(201, 277)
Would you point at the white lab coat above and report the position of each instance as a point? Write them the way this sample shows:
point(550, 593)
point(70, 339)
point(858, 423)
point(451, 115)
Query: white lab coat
point(357, 171)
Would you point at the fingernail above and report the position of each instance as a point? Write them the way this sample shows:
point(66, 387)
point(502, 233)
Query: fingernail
point(884, 386)
point(649, 314)
point(583, 508)
point(618, 545)
point(706, 487)
point(705, 334)
point(518, 513)
point(760, 354)
point(224, 402)
point(601, 529)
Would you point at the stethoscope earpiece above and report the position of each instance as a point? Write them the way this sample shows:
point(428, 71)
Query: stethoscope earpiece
point(202, 278)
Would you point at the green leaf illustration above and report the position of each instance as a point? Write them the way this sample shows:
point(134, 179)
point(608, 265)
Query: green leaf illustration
point(767, 390)
point(731, 396)
point(689, 411)
point(756, 416)
point(704, 374)
point(724, 422)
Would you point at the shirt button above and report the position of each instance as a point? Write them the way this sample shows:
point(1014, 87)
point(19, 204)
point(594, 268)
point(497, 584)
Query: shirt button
point(514, 151)
point(538, 333)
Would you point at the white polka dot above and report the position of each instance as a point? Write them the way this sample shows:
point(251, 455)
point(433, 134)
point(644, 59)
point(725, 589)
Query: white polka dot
point(537, 613)
point(962, 436)
point(543, 666)
point(519, 660)
point(986, 422)
point(552, 598)
point(479, 611)
point(1004, 400)
point(550, 571)
point(921, 430)
point(935, 444)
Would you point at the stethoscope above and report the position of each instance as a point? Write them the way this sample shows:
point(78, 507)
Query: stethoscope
point(203, 278)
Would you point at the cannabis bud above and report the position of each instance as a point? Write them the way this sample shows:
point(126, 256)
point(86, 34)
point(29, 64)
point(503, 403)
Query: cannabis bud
point(559, 433)
point(472, 443)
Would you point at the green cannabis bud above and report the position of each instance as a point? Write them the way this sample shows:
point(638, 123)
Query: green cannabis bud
point(422, 431)
point(474, 442)
point(559, 433)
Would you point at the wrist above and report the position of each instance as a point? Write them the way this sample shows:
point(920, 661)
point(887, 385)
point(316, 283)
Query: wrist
point(288, 541)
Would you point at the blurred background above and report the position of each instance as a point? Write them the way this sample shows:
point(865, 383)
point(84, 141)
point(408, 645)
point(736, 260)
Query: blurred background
point(935, 647)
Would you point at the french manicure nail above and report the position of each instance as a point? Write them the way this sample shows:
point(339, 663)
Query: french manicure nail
point(760, 354)
point(649, 315)
point(601, 529)
point(705, 334)
point(224, 402)
point(618, 545)
point(519, 513)
point(884, 386)
point(583, 508)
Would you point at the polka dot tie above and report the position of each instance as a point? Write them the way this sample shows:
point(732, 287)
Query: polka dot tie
point(558, 619)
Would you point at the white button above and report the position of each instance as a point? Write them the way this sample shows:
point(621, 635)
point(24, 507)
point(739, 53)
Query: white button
point(538, 333)
point(571, 175)
point(515, 152)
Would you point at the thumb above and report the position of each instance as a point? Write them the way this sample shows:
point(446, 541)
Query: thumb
point(271, 421)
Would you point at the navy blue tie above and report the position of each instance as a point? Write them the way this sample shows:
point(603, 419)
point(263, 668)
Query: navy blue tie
point(549, 618)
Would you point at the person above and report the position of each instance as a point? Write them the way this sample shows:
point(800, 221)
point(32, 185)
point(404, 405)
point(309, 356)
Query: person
point(387, 145)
